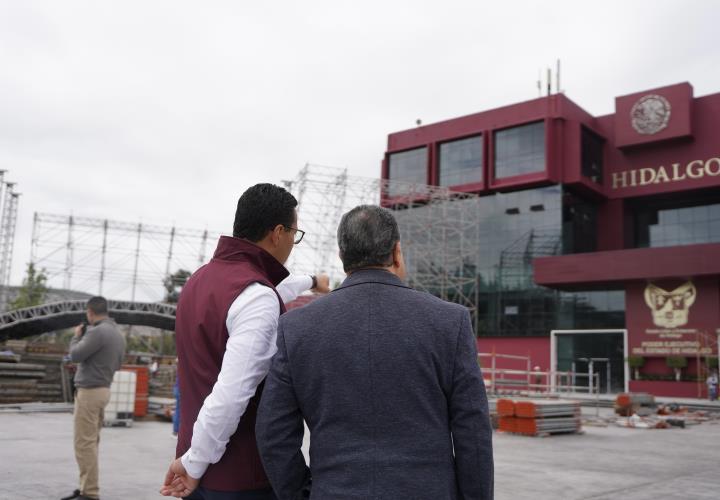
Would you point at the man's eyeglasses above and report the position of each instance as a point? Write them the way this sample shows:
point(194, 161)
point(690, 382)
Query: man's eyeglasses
point(299, 233)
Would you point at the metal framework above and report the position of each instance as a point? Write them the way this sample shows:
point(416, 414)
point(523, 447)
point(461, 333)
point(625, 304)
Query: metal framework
point(116, 259)
point(439, 229)
point(515, 274)
point(58, 315)
point(8, 220)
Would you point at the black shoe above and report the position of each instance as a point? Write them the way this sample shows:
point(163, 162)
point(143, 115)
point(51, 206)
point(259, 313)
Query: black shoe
point(75, 494)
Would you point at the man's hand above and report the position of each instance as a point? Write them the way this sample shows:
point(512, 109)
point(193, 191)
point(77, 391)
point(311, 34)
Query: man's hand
point(177, 481)
point(323, 284)
point(78, 330)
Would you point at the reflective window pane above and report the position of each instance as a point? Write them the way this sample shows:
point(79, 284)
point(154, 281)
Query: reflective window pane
point(461, 161)
point(407, 167)
point(662, 227)
point(520, 150)
point(512, 230)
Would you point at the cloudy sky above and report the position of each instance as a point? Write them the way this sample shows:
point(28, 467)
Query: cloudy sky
point(165, 111)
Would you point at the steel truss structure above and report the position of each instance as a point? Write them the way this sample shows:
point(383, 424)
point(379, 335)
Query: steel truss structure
point(58, 315)
point(119, 260)
point(9, 199)
point(439, 229)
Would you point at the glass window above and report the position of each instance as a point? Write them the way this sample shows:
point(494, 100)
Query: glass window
point(662, 227)
point(407, 167)
point(520, 150)
point(511, 231)
point(461, 161)
point(592, 156)
point(579, 225)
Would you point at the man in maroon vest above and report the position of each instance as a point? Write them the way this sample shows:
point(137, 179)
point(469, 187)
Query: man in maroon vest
point(226, 328)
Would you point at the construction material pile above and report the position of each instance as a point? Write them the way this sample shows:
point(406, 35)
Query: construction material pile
point(635, 403)
point(163, 380)
point(50, 383)
point(19, 381)
point(534, 417)
point(640, 412)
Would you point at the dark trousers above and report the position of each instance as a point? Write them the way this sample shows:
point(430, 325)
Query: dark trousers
point(206, 494)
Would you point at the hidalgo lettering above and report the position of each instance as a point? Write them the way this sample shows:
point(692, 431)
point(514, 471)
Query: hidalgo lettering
point(695, 169)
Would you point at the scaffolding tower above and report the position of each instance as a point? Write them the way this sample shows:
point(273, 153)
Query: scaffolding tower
point(439, 229)
point(9, 199)
point(120, 260)
point(8, 221)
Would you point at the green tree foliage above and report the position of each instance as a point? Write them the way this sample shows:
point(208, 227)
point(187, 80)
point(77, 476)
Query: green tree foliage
point(173, 284)
point(676, 361)
point(33, 290)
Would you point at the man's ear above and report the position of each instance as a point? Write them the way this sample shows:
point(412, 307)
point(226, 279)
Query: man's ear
point(276, 234)
point(397, 254)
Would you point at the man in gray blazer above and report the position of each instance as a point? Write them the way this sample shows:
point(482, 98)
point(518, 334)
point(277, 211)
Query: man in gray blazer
point(387, 380)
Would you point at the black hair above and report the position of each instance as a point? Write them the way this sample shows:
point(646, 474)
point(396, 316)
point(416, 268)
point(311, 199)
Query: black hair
point(260, 209)
point(367, 235)
point(98, 305)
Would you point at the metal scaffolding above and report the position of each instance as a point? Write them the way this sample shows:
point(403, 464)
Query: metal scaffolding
point(439, 232)
point(8, 220)
point(439, 229)
point(120, 260)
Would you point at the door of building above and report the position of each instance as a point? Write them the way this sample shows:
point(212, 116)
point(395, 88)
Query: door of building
point(598, 353)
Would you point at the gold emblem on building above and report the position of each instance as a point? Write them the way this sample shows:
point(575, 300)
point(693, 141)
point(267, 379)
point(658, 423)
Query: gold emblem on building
point(650, 114)
point(670, 309)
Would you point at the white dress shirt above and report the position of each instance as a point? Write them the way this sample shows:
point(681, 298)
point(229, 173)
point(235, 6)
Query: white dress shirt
point(252, 326)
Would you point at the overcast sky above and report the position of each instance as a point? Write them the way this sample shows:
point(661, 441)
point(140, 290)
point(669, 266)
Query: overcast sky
point(165, 111)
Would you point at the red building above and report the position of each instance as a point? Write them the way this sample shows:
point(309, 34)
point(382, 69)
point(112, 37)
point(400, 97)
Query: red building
point(619, 215)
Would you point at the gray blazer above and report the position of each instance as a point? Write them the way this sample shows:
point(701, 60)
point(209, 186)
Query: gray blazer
point(387, 379)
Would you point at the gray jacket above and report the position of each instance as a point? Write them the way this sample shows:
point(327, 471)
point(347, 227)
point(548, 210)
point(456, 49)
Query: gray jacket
point(388, 382)
point(99, 353)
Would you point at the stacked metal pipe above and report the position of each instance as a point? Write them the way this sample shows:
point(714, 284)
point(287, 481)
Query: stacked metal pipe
point(535, 417)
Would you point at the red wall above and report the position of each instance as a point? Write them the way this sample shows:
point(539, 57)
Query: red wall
point(670, 389)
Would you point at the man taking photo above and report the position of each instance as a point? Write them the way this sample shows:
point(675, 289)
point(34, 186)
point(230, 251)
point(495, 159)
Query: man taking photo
point(99, 352)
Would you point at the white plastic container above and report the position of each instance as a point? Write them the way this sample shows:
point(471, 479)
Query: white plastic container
point(121, 407)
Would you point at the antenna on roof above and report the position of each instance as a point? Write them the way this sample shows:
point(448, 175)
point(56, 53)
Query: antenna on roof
point(539, 83)
point(557, 78)
point(549, 81)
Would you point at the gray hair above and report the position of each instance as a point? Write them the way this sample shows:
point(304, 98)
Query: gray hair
point(366, 236)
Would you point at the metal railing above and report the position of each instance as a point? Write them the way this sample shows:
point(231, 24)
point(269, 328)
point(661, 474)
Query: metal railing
point(517, 380)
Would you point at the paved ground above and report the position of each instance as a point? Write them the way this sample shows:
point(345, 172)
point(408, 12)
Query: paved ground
point(36, 462)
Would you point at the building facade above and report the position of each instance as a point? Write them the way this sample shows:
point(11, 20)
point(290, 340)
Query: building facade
point(604, 230)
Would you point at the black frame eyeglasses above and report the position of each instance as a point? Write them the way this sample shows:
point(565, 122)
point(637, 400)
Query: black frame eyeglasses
point(298, 239)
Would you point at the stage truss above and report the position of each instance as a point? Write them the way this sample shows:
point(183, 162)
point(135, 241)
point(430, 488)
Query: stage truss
point(119, 260)
point(439, 231)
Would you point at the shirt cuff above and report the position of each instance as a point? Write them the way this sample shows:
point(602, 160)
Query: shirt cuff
point(194, 468)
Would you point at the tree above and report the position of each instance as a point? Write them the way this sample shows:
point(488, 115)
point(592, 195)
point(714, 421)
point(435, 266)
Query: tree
point(33, 290)
point(677, 363)
point(173, 284)
point(636, 362)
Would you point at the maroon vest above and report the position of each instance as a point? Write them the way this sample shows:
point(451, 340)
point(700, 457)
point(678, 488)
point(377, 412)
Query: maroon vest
point(201, 335)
